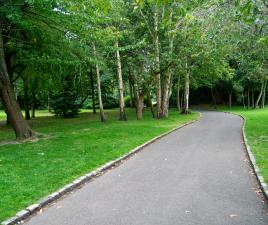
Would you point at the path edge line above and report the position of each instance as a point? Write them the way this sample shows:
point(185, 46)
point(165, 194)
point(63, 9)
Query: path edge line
point(34, 208)
point(252, 159)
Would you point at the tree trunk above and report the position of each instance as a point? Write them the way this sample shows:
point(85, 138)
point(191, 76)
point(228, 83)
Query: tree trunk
point(178, 94)
point(213, 97)
point(102, 114)
point(159, 113)
point(92, 90)
point(139, 106)
point(26, 99)
point(230, 99)
point(167, 81)
point(252, 98)
point(243, 100)
point(264, 94)
point(33, 103)
point(186, 90)
point(7, 95)
point(130, 93)
point(48, 101)
point(182, 99)
point(149, 100)
point(259, 96)
point(248, 103)
point(122, 113)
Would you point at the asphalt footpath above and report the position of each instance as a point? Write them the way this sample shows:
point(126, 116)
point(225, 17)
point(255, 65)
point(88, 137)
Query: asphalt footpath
point(197, 175)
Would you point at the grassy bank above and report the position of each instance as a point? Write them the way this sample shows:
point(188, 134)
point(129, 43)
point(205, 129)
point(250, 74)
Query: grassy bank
point(32, 170)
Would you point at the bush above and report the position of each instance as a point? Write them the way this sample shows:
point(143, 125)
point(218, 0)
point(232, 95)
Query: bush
point(128, 100)
point(65, 102)
point(109, 102)
point(65, 105)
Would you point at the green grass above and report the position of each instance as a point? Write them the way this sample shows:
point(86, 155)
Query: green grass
point(256, 128)
point(32, 170)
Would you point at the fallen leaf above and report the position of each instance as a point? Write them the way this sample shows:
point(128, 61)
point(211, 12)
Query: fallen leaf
point(233, 215)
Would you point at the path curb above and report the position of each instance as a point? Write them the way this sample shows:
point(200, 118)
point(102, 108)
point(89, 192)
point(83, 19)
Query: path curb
point(252, 159)
point(33, 209)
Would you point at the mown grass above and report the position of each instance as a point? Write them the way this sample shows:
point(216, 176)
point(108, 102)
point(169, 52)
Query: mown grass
point(256, 128)
point(32, 170)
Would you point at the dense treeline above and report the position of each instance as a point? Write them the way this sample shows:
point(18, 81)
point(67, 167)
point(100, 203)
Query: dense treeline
point(67, 55)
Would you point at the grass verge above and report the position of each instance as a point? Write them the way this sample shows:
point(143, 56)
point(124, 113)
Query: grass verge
point(32, 170)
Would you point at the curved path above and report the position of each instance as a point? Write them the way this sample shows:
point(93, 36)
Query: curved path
point(198, 175)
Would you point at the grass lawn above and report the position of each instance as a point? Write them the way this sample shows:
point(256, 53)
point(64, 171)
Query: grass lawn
point(32, 170)
point(257, 134)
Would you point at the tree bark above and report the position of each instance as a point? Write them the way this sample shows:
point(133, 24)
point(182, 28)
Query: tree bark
point(182, 99)
point(48, 101)
point(159, 113)
point(92, 90)
point(122, 113)
point(186, 90)
point(102, 114)
point(178, 94)
point(248, 102)
point(230, 99)
point(7, 95)
point(26, 99)
point(130, 93)
point(252, 98)
point(139, 106)
point(264, 94)
point(213, 97)
point(259, 96)
point(167, 80)
point(243, 100)
point(149, 100)
point(33, 103)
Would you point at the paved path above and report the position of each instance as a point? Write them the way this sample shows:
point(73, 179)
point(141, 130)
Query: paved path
point(197, 175)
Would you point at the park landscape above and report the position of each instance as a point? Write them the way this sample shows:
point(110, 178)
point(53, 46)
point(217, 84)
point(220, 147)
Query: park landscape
point(85, 82)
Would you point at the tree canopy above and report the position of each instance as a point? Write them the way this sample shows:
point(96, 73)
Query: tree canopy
point(67, 55)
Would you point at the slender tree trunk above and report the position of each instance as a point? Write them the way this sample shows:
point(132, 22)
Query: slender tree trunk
point(259, 96)
point(102, 114)
point(48, 101)
point(130, 93)
point(122, 115)
point(264, 94)
point(149, 100)
point(230, 99)
point(213, 97)
point(178, 94)
point(92, 90)
point(186, 89)
point(159, 113)
point(248, 103)
point(33, 103)
point(7, 95)
point(252, 98)
point(182, 99)
point(139, 100)
point(167, 81)
point(26, 99)
point(139, 106)
point(243, 100)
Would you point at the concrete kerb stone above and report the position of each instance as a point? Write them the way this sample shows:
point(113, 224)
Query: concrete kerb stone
point(32, 209)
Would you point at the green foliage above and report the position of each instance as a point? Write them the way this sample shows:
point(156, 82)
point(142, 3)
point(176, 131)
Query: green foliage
point(127, 100)
point(64, 101)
